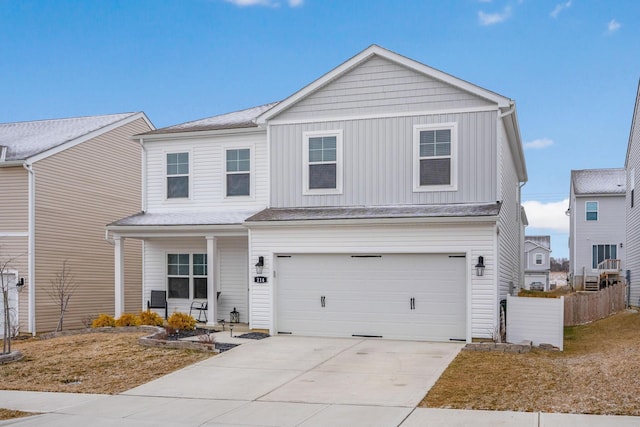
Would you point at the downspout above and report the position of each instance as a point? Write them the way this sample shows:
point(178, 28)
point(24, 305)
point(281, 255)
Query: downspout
point(144, 175)
point(521, 278)
point(31, 243)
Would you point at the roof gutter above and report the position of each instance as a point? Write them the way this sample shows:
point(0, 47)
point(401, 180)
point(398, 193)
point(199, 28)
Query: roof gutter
point(11, 163)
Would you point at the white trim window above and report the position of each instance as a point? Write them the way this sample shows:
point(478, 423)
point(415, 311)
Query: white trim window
point(591, 211)
point(238, 172)
point(177, 175)
point(435, 157)
point(186, 276)
point(322, 159)
point(539, 259)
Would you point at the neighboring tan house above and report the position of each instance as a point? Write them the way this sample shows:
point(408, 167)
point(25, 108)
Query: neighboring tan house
point(632, 164)
point(596, 227)
point(62, 180)
point(382, 199)
point(537, 262)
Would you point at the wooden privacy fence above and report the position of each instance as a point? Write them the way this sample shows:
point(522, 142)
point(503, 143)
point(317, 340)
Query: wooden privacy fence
point(585, 307)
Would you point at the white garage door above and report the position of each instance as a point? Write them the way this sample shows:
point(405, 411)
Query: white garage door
point(401, 296)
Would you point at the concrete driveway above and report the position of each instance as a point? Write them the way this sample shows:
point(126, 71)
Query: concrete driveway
point(285, 380)
point(313, 370)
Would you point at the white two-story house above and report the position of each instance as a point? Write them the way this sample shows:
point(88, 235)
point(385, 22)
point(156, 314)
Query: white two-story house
point(382, 199)
point(596, 226)
point(537, 262)
point(632, 209)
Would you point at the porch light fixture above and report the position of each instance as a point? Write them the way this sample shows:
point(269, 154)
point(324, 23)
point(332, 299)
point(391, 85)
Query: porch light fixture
point(259, 265)
point(20, 284)
point(480, 266)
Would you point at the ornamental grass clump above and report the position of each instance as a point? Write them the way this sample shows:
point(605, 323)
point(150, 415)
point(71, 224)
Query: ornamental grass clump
point(103, 320)
point(150, 318)
point(181, 322)
point(128, 319)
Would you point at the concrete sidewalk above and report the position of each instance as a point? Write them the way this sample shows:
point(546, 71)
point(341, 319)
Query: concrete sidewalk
point(71, 410)
point(288, 381)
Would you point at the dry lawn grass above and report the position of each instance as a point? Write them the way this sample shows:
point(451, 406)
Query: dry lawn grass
point(596, 374)
point(9, 414)
point(107, 363)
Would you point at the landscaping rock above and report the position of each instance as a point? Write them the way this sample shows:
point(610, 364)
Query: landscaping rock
point(14, 356)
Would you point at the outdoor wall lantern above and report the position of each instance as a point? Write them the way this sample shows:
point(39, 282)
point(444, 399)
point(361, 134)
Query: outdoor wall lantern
point(20, 284)
point(480, 266)
point(259, 265)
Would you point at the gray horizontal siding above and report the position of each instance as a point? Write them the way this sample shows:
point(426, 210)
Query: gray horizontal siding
point(381, 86)
point(378, 162)
point(633, 213)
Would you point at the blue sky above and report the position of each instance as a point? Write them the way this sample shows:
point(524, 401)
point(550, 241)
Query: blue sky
point(572, 66)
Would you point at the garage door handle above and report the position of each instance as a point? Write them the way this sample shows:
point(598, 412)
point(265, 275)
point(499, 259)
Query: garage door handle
point(322, 301)
point(412, 303)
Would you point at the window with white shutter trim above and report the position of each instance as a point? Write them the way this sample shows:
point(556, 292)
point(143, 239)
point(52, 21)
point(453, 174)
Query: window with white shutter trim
point(434, 157)
point(322, 163)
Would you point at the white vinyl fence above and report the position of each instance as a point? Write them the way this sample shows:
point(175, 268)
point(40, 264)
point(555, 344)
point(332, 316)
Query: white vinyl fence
point(539, 320)
point(10, 279)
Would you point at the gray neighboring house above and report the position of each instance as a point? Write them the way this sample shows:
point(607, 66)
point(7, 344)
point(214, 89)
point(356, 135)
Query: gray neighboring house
point(537, 254)
point(632, 211)
point(597, 226)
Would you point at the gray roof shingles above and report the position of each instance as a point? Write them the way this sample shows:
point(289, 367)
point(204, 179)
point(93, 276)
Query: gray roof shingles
point(376, 212)
point(235, 120)
point(599, 181)
point(27, 139)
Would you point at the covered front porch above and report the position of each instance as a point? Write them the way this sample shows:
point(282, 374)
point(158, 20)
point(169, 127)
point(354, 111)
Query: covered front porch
point(206, 264)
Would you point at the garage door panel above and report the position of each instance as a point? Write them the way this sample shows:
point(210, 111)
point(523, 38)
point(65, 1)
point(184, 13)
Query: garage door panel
point(372, 295)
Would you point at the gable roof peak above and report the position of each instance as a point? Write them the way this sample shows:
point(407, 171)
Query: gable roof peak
point(376, 50)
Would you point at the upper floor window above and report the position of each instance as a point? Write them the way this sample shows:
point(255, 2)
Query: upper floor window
point(177, 175)
point(434, 157)
point(539, 259)
point(239, 172)
point(187, 276)
point(591, 209)
point(322, 162)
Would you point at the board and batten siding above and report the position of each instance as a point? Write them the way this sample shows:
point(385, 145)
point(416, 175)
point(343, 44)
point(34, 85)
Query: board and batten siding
point(510, 246)
point(632, 165)
point(14, 200)
point(79, 191)
point(378, 161)
point(207, 167)
point(609, 229)
point(377, 86)
point(470, 239)
point(231, 272)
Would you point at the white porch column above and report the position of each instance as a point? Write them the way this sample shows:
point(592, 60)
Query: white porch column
point(119, 274)
point(212, 302)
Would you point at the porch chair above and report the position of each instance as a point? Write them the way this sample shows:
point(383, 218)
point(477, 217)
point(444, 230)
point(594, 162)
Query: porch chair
point(202, 307)
point(158, 300)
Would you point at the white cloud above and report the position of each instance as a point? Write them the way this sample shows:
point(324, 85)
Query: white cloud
point(550, 216)
point(265, 3)
point(538, 143)
point(494, 18)
point(559, 8)
point(613, 26)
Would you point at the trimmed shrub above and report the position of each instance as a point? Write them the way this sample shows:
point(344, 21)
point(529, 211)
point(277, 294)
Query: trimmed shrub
point(103, 320)
point(150, 318)
point(181, 322)
point(128, 319)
